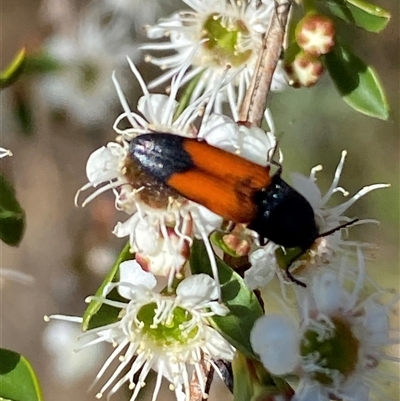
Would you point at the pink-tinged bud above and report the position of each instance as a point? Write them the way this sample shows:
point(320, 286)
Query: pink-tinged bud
point(170, 254)
point(238, 240)
point(315, 34)
point(305, 70)
point(238, 245)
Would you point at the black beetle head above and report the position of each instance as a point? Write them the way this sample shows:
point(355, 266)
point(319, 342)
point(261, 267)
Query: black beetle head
point(284, 216)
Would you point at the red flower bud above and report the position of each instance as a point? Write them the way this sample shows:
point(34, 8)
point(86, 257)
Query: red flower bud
point(315, 34)
point(305, 70)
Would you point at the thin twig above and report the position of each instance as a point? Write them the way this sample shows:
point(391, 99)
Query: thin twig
point(254, 103)
point(207, 372)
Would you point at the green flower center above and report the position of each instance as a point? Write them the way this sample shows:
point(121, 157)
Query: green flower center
point(225, 38)
point(169, 332)
point(337, 353)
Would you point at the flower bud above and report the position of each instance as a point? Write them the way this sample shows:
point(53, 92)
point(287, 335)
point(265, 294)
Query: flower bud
point(315, 34)
point(305, 70)
point(240, 246)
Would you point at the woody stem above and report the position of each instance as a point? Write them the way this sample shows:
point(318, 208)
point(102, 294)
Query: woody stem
point(254, 103)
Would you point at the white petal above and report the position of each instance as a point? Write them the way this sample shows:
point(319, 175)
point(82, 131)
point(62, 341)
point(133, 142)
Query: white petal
point(310, 391)
point(124, 229)
point(357, 390)
point(146, 237)
point(220, 131)
point(4, 152)
point(308, 188)
point(102, 166)
point(198, 289)
point(327, 292)
point(209, 220)
point(131, 273)
point(153, 107)
point(216, 346)
point(263, 268)
point(275, 339)
point(376, 322)
point(256, 144)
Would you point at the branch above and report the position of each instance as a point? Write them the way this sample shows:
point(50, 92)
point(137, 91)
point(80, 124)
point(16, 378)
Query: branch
point(254, 103)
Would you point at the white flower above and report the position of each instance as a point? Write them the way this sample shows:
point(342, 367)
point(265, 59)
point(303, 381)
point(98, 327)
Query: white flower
point(339, 344)
point(61, 340)
point(133, 13)
point(154, 207)
point(166, 333)
point(224, 34)
point(86, 58)
point(264, 264)
point(5, 152)
point(327, 218)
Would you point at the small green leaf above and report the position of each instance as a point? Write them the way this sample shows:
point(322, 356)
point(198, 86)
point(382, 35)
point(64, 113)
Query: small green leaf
point(187, 94)
point(23, 113)
point(98, 314)
point(12, 216)
point(18, 381)
point(41, 63)
point(357, 83)
point(361, 13)
point(13, 70)
point(242, 303)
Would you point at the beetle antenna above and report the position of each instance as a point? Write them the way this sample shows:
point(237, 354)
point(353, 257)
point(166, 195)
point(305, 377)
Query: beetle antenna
point(349, 223)
point(325, 234)
point(290, 275)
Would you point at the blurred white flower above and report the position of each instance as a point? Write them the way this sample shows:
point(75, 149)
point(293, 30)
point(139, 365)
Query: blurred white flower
point(224, 34)
point(99, 259)
point(164, 332)
point(86, 58)
point(132, 11)
point(340, 342)
point(5, 152)
point(60, 339)
point(263, 260)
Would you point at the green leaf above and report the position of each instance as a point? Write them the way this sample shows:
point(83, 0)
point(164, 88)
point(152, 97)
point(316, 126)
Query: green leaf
point(242, 303)
point(18, 381)
point(357, 83)
point(187, 94)
point(23, 113)
point(252, 382)
point(41, 63)
point(361, 13)
point(12, 216)
point(98, 314)
point(13, 70)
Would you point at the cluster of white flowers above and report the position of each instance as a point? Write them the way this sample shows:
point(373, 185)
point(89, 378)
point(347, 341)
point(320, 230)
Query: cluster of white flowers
point(339, 338)
point(229, 34)
point(85, 48)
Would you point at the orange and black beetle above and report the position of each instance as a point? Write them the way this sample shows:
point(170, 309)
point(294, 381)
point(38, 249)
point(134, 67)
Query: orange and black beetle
point(230, 186)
